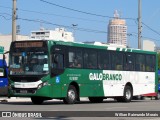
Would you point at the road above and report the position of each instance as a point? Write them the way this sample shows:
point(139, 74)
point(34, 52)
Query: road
point(85, 105)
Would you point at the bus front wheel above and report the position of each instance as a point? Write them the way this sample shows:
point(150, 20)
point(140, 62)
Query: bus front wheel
point(37, 100)
point(71, 95)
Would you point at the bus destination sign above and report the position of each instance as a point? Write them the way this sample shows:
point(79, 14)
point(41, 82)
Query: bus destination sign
point(28, 44)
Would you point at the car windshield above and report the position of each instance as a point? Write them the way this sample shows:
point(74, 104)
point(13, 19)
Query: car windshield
point(29, 62)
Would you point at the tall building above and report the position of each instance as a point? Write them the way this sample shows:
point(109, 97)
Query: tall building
point(117, 30)
point(57, 34)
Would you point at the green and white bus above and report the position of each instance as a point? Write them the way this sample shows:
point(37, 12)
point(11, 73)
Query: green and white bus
point(46, 69)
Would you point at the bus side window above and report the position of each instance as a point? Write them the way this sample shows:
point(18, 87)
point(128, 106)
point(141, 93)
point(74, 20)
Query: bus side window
point(137, 67)
point(140, 62)
point(90, 59)
point(103, 60)
point(75, 58)
point(150, 64)
point(57, 61)
point(117, 61)
point(57, 65)
point(129, 62)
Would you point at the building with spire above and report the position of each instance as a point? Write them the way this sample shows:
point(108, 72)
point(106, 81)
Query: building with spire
point(117, 30)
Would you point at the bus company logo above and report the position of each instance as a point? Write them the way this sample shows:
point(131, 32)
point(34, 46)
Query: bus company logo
point(22, 114)
point(6, 114)
point(102, 76)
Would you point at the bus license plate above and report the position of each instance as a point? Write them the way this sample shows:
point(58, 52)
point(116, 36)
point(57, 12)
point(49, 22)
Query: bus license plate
point(23, 91)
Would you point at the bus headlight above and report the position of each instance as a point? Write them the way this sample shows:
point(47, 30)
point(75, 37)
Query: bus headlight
point(39, 86)
point(42, 85)
point(45, 83)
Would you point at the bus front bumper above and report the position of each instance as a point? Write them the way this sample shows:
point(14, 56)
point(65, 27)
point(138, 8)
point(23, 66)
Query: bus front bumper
point(43, 89)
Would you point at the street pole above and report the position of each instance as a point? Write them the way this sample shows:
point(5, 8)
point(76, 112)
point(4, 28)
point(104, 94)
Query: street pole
point(14, 21)
point(139, 24)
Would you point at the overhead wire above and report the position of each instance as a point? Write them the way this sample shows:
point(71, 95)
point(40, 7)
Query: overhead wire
point(52, 14)
point(71, 17)
point(81, 29)
point(70, 27)
point(88, 13)
point(5, 17)
point(151, 29)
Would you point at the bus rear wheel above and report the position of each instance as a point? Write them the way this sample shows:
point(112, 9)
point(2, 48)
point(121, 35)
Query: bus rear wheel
point(95, 99)
point(71, 95)
point(37, 100)
point(127, 95)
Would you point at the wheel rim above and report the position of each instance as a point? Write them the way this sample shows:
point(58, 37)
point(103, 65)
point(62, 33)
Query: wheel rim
point(71, 95)
point(128, 94)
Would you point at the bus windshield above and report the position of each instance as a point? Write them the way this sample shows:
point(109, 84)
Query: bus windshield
point(29, 61)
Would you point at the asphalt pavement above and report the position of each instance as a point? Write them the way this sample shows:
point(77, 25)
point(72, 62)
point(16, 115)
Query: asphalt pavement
point(90, 111)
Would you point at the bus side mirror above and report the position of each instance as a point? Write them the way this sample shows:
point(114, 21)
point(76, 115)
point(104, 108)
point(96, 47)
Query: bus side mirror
point(55, 59)
point(4, 59)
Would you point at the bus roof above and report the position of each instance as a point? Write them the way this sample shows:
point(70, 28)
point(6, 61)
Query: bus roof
point(103, 46)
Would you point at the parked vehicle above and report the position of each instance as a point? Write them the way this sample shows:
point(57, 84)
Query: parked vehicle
point(3, 78)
